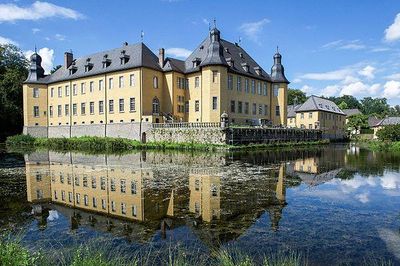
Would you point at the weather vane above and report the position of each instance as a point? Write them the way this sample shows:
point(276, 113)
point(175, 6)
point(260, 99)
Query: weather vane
point(142, 35)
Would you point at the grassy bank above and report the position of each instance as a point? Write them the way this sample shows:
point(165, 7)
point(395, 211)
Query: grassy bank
point(378, 145)
point(13, 253)
point(121, 145)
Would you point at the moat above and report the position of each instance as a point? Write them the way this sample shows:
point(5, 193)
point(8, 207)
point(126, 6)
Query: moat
point(335, 204)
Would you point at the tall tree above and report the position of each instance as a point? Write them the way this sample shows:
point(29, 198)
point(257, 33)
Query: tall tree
point(343, 105)
point(376, 106)
point(351, 101)
point(296, 96)
point(13, 72)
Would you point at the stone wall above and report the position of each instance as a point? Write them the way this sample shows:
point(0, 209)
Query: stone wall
point(88, 130)
point(36, 131)
point(197, 135)
point(59, 131)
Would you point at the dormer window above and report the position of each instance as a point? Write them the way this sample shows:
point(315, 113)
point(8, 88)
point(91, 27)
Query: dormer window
point(88, 65)
point(230, 62)
point(258, 70)
point(196, 62)
point(245, 67)
point(124, 57)
point(241, 55)
point(73, 68)
point(227, 50)
point(106, 61)
point(202, 47)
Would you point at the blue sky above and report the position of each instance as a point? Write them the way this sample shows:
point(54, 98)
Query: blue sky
point(328, 47)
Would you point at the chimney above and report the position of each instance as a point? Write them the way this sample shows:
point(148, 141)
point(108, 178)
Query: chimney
point(161, 56)
point(68, 58)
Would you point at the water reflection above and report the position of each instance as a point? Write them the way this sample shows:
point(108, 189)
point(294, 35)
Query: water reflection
point(217, 197)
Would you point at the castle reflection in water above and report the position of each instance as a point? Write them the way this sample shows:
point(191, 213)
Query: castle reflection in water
point(138, 194)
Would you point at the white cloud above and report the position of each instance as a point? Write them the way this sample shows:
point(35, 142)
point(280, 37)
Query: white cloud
point(359, 88)
point(344, 45)
point(330, 75)
point(60, 37)
point(363, 197)
point(47, 55)
point(4, 40)
point(391, 89)
point(330, 90)
point(206, 21)
point(367, 72)
point(178, 52)
point(296, 80)
point(392, 33)
point(307, 89)
point(395, 76)
point(253, 29)
point(35, 30)
point(38, 10)
point(390, 180)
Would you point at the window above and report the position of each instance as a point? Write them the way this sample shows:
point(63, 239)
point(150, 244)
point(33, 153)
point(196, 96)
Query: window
point(121, 105)
point(113, 206)
point(74, 91)
point(70, 196)
point(91, 107)
point(214, 103)
point(276, 90)
point(214, 190)
point(265, 109)
point(265, 89)
point(155, 82)
point(239, 84)
point(123, 186)
point(277, 111)
point(132, 80)
point(132, 105)
point(101, 107)
point(123, 208)
point(230, 82)
point(233, 106)
point(59, 110)
point(134, 210)
point(36, 111)
point(112, 184)
point(35, 93)
point(196, 106)
point(121, 82)
point(83, 88)
point(197, 82)
point(86, 200)
point(187, 107)
point(94, 202)
point(156, 106)
point(59, 92)
point(133, 187)
point(103, 204)
point(83, 108)
point(103, 183)
point(66, 90)
point(78, 198)
point(52, 92)
point(240, 107)
point(74, 109)
point(100, 85)
point(91, 86)
point(215, 76)
point(51, 111)
point(259, 88)
point(310, 126)
point(246, 108)
point(310, 115)
point(94, 184)
point(111, 106)
point(302, 115)
point(253, 86)
point(260, 109)
point(254, 111)
point(110, 83)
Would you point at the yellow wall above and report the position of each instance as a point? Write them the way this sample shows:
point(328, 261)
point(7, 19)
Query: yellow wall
point(329, 123)
point(29, 102)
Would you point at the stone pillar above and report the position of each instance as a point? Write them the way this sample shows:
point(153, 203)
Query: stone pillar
point(224, 120)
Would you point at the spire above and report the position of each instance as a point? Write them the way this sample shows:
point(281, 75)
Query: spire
point(215, 53)
point(277, 70)
point(36, 70)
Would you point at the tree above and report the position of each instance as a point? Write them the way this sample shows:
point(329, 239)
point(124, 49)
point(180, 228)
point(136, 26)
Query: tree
point(55, 69)
point(389, 133)
point(351, 101)
point(13, 72)
point(296, 96)
point(357, 122)
point(377, 106)
point(343, 105)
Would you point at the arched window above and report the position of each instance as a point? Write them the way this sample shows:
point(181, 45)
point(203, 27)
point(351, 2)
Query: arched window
point(156, 106)
point(155, 82)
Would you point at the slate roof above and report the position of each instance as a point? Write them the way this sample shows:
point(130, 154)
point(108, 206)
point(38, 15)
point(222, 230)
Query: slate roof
point(315, 103)
point(373, 121)
point(350, 112)
point(291, 110)
point(211, 51)
point(389, 121)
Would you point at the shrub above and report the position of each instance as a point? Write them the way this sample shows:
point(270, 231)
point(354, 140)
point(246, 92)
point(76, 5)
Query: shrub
point(12, 253)
point(20, 140)
point(389, 133)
